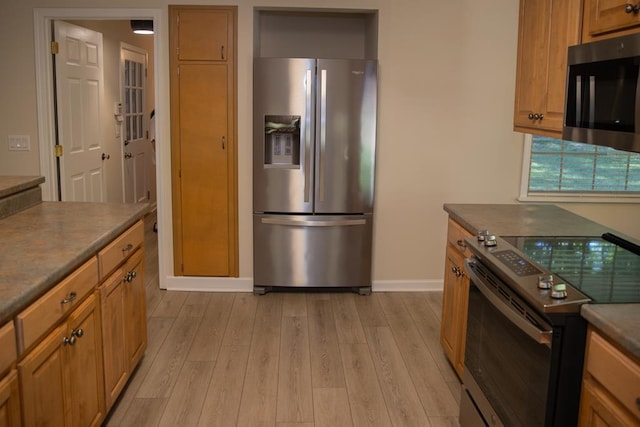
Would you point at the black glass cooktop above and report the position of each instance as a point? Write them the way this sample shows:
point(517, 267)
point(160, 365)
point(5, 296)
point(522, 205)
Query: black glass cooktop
point(606, 272)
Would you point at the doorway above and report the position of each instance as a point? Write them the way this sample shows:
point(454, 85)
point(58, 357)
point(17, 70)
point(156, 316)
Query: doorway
point(114, 147)
point(43, 18)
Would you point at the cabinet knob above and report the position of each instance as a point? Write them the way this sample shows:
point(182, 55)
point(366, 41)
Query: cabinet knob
point(632, 9)
point(530, 116)
point(541, 116)
point(78, 333)
point(69, 341)
point(461, 243)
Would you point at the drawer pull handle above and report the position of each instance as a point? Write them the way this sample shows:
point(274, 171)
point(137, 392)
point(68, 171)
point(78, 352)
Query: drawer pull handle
point(130, 276)
point(127, 249)
point(461, 243)
point(72, 296)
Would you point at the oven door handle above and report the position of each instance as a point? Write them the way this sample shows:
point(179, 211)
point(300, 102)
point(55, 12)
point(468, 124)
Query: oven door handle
point(539, 336)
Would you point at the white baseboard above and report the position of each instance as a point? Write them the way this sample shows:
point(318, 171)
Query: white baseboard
point(245, 284)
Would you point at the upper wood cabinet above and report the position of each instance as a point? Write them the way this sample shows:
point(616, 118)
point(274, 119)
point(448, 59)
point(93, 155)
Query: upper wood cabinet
point(546, 29)
point(203, 140)
point(203, 35)
point(610, 18)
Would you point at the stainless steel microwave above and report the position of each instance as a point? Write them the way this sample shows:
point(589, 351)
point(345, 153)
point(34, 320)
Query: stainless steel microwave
point(603, 93)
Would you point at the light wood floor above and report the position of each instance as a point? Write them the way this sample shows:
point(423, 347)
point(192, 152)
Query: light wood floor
point(289, 359)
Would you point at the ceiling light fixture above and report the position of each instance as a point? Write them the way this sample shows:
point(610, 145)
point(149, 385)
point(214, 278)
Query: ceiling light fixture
point(142, 26)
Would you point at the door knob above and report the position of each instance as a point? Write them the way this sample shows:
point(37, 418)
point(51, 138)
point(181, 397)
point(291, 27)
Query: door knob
point(105, 156)
point(128, 155)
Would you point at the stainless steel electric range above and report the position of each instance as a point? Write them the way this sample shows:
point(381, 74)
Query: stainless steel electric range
point(525, 336)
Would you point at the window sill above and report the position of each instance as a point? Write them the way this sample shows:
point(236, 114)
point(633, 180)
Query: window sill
point(578, 198)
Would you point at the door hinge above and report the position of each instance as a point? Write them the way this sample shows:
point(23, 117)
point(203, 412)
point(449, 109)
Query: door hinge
point(55, 48)
point(58, 150)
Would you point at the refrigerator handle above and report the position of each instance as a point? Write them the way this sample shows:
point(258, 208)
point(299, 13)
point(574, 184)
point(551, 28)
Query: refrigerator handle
point(307, 136)
point(323, 132)
point(307, 223)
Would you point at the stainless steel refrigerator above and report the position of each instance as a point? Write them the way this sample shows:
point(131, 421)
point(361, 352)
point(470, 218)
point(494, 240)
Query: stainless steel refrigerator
point(313, 178)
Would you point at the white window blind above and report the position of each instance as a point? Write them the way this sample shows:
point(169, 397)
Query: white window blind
point(560, 167)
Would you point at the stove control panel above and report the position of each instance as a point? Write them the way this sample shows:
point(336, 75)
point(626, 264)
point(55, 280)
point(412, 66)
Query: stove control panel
point(516, 263)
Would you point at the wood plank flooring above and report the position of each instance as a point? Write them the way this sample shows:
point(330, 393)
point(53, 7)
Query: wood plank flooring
point(289, 359)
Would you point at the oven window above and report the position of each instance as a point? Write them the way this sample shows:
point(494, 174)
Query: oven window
point(510, 368)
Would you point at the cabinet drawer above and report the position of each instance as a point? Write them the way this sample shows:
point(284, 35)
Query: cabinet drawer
point(617, 372)
point(8, 353)
point(43, 314)
point(456, 235)
point(120, 249)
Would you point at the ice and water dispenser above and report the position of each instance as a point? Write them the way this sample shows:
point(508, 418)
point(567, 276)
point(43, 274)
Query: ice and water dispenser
point(282, 141)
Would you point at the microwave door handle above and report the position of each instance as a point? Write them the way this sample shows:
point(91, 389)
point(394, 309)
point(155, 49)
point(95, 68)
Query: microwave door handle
point(578, 101)
point(592, 101)
point(637, 118)
point(539, 336)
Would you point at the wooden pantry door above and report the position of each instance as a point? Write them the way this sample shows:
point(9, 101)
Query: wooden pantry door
point(203, 140)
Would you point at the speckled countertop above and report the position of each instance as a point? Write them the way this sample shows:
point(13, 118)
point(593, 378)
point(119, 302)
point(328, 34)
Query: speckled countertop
point(621, 322)
point(43, 244)
point(13, 184)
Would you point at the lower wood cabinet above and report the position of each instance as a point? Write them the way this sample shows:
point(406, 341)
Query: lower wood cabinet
point(10, 400)
point(610, 386)
point(62, 378)
point(455, 297)
point(124, 333)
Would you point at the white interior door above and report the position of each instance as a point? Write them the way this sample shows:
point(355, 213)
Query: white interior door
point(137, 149)
point(79, 93)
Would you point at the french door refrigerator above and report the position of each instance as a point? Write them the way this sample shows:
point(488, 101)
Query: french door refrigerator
point(313, 178)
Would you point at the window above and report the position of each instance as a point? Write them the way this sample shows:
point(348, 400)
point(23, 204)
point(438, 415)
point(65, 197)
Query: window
point(554, 169)
point(133, 96)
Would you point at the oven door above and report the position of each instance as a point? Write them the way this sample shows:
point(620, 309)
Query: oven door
point(507, 356)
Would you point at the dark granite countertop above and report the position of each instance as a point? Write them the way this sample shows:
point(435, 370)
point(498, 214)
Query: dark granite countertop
point(621, 322)
point(45, 243)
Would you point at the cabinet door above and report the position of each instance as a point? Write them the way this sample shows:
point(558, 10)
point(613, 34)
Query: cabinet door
point(452, 312)
point(10, 401)
point(203, 140)
point(84, 363)
point(112, 297)
point(599, 409)
point(42, 378)
point(608, 16)
point(192, 24)
point(135, 313)
point(546, 29)
point(204, 202)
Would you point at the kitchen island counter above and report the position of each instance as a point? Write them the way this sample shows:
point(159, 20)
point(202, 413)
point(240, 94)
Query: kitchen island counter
point(621, 322)
point(45, 243)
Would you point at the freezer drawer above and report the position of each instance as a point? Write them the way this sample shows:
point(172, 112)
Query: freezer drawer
point(312, 250)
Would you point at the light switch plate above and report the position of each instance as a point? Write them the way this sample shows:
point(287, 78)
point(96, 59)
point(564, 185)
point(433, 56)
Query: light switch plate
point(19, 143)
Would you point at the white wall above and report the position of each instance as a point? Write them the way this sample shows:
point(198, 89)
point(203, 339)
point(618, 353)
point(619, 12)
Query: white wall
point(447, 77)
